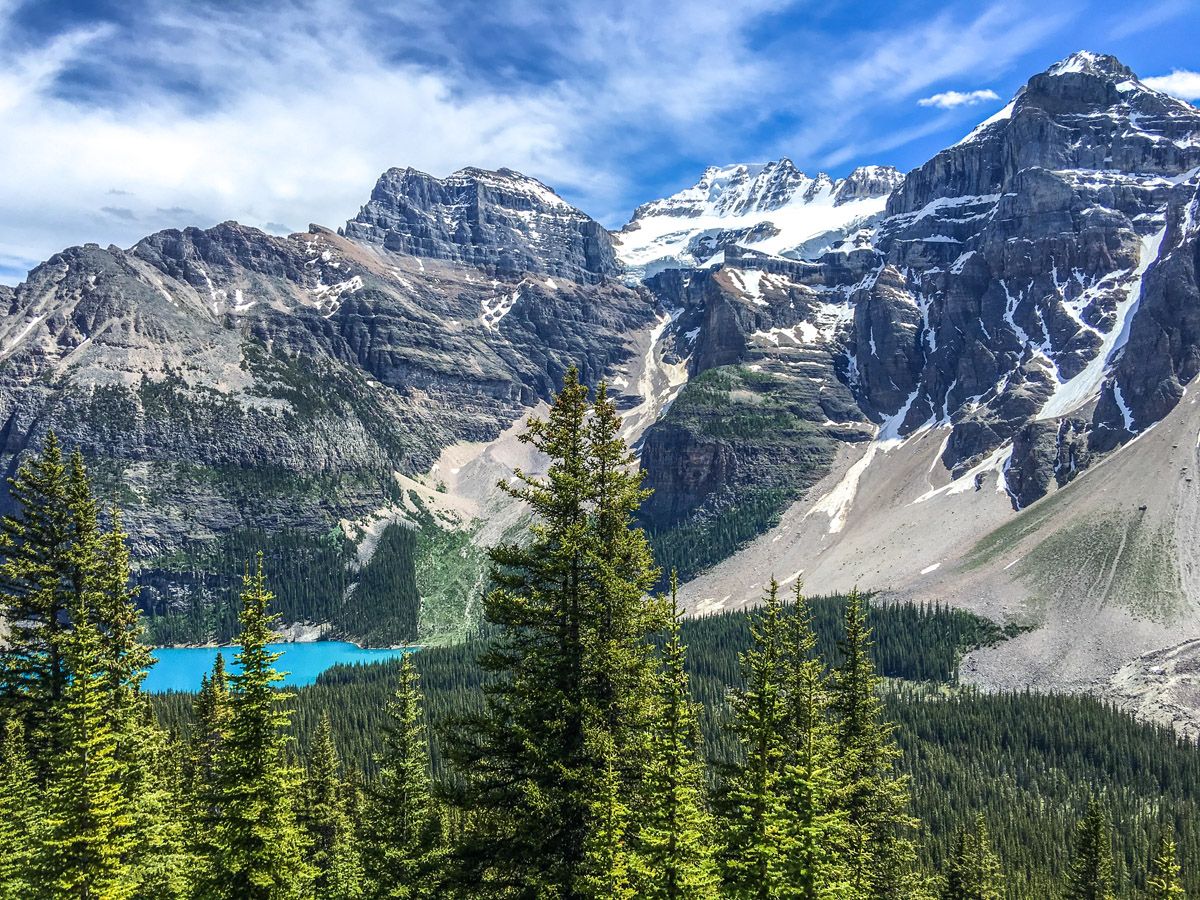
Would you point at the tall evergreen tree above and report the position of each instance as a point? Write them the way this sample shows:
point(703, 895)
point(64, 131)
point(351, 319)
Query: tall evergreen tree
point(573, 665)
point(160, 864)
point(36, 579)
point(88, 819)
point(674, 828)
point(752, 800)
point(1162, 881)
point(973, 871)
point(334, 853)
point(21, 816)
point(402, 851)
point(607, 869)
point(816, 827)
point(256, 841)
point(875, 796)
point(1091, 871)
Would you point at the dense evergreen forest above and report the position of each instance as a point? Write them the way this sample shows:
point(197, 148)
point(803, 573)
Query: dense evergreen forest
point(589, 744)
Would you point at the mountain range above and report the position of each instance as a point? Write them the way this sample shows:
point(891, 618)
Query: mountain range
point(965, 384)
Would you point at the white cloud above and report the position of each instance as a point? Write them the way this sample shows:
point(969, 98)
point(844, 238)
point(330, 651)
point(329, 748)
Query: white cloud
point(954, 99)
point(1181, 83)
point(295, 108)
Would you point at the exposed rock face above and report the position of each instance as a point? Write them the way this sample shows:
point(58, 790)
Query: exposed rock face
point(1013, 267)
point(1033, 290)
point(228, 378)
point(1163, 351)
point(502, 222)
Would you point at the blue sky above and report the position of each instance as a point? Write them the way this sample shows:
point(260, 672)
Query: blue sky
point(122, 118)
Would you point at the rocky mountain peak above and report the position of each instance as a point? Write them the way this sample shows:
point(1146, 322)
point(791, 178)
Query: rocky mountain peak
point(502, 221)
point(1088, 112)
point(1085, 62)
point(867, 182)
point(770, 207)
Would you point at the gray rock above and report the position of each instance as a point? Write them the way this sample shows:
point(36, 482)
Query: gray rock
point(502, 222)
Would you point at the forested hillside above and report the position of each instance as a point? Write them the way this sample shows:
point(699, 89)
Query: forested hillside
point(588, 743)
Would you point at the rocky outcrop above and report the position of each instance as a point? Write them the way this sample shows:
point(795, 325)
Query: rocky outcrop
point(501, 222)
point(1162, 353)
point(1031, 289)
point(1014, 263)
point(225, 378)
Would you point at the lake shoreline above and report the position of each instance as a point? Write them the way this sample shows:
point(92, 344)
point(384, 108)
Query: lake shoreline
point(301, 663)
point(296, 633)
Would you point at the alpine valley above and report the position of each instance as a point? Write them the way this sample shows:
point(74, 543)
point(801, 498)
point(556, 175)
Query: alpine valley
point(966, 384)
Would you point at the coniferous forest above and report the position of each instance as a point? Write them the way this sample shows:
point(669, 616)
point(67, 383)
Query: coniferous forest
point(588, 743)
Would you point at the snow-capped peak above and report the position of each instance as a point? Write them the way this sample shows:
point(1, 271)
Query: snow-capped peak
point(1089, 63)
point(770, 207)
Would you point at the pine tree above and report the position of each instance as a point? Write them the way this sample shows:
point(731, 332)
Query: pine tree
point(572, 659)
point(674, 827)
point(36, 576)
point(816, 828)
point(973, 871)
point(117, 614)
point(256, 842)
point(160, 866)
point(1162, 881)
point(1091, 870)
point(605, 872)
point(334, 851)
point(21, 816)
point(752, 800)
point(402, 853)
point(88, 819)
point(874, 796)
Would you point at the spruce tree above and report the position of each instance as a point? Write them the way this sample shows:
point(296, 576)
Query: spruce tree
point(88, 817)
point(21, 816)
point(257, 845)
point(606, 871)
point(572, 664)
point(334, 846)
point(402, 851)
point(816, 826)
point(1091, 869)
point(160, 864)
point(36, 579)
point(973, 871)
point(1162, 881)
point(674, 829)
point(754, 820)
point(874, 796)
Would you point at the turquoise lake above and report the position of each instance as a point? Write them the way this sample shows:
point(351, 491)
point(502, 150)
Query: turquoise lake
point(180, 668)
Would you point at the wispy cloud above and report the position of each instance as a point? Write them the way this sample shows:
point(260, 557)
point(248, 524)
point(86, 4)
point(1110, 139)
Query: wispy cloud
point(288, 111)
point(1137, 19)
point(1181, 83)
point(898, 66)
point(954, 99)
point(165, 113)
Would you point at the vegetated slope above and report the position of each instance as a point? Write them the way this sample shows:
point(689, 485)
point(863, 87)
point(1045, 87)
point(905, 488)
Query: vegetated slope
point(235, 391)
point(1030, 290)
point(1026, 761)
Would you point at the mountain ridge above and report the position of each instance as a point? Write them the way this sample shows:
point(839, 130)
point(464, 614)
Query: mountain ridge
point(984, 329)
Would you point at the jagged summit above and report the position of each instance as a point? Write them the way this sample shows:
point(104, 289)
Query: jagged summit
point(769, 207)
point(501, 221)
point(1088, 63)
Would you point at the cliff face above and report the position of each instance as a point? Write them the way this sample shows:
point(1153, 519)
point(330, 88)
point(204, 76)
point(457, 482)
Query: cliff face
point(503, 223)
point(1029, 294)
point(224, 379)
